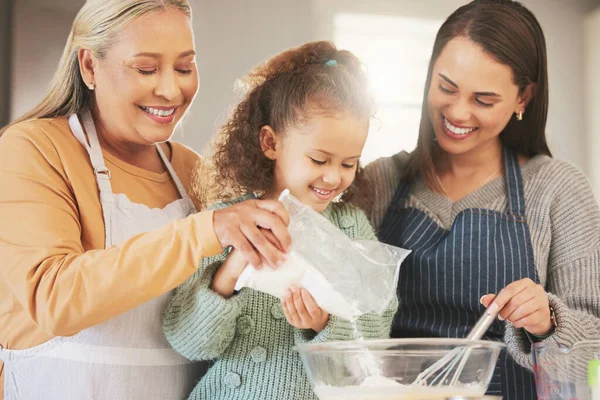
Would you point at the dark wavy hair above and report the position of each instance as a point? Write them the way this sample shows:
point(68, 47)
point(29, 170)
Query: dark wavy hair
point(511, 34)
point(315, 78)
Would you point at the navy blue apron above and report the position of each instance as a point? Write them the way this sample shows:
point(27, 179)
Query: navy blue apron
point(448, 271)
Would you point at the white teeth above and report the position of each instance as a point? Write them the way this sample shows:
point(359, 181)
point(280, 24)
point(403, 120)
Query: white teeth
point(321, 192)
point(456, 130)
point(160, 113)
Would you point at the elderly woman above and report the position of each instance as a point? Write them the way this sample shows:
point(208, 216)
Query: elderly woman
point(491, 218)
point(96, 224)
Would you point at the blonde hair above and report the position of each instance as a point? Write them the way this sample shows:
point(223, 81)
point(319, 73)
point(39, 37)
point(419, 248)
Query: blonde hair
point(96, 27)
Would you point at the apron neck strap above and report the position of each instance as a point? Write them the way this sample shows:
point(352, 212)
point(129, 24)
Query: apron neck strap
point(182, 192)
point(514, 183)
point(92, 145)
point(513, 179)
point(88, 137)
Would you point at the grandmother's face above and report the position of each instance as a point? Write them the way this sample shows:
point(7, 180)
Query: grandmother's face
point(147, 80)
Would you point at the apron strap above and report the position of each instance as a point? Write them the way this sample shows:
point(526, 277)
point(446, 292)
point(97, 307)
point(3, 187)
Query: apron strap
point(4, 355)
point(388, 227)
point(93, 148)
point(514, 183)
point(107, 198)
point(165, 160)
point(402, 193)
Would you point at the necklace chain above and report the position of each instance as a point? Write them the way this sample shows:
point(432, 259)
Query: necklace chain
point(485, 182)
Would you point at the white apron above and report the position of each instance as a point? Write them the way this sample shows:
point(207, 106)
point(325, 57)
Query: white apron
point(128, 356)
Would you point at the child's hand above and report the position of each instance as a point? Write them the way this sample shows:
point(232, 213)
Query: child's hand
point(227, 275)
point(302, 311)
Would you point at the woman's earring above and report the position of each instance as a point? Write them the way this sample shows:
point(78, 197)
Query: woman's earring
point(520, 116)
point(91, 86)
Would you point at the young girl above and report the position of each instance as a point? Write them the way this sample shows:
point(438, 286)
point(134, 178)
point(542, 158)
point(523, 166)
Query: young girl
point(301, 126)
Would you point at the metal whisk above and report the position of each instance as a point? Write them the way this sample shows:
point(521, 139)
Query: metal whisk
point(455, 360)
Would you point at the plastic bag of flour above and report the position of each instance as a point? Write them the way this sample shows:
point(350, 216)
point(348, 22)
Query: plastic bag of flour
point(346, 277)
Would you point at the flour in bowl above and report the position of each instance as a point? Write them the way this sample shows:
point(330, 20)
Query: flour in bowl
point(382, 388)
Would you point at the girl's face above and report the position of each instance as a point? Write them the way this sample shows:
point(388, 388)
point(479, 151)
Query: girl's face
point(148, 78)
point(471, 98)
point(316, 160)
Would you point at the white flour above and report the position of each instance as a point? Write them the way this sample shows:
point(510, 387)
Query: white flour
point(297, 271)
point(381, 388)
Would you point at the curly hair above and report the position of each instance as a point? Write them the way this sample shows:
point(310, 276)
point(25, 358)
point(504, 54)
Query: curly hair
point(285, 91)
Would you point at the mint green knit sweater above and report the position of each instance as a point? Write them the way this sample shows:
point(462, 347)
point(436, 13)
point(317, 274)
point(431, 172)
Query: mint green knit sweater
point(248, 335)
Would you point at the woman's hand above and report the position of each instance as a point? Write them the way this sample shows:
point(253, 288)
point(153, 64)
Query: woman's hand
point(525, 304)
point(301, 310)
point(257, 229)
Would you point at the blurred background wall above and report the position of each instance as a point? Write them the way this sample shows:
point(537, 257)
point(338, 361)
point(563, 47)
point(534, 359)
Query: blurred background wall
point(393, 37)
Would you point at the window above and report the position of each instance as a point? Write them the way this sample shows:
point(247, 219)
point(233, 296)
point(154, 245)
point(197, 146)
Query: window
point(396, 52)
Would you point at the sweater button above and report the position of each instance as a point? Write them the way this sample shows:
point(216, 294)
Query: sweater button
point(277, 311)
point(258, 354)
point(245, 324)
point(232, 380)
point(347, 222)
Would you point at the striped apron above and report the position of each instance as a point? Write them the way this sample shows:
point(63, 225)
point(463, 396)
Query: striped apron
point(448, 271)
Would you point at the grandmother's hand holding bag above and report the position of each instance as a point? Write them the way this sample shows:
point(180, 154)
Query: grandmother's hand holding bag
point(346, 278)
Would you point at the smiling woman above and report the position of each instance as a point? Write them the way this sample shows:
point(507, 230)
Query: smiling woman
point(492, 219)
point(155, 87)
point(98, 227)
point(480, 105)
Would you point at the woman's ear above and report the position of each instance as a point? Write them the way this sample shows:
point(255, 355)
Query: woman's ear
point(525, 97)
point(86, 67)
point(269, 142)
